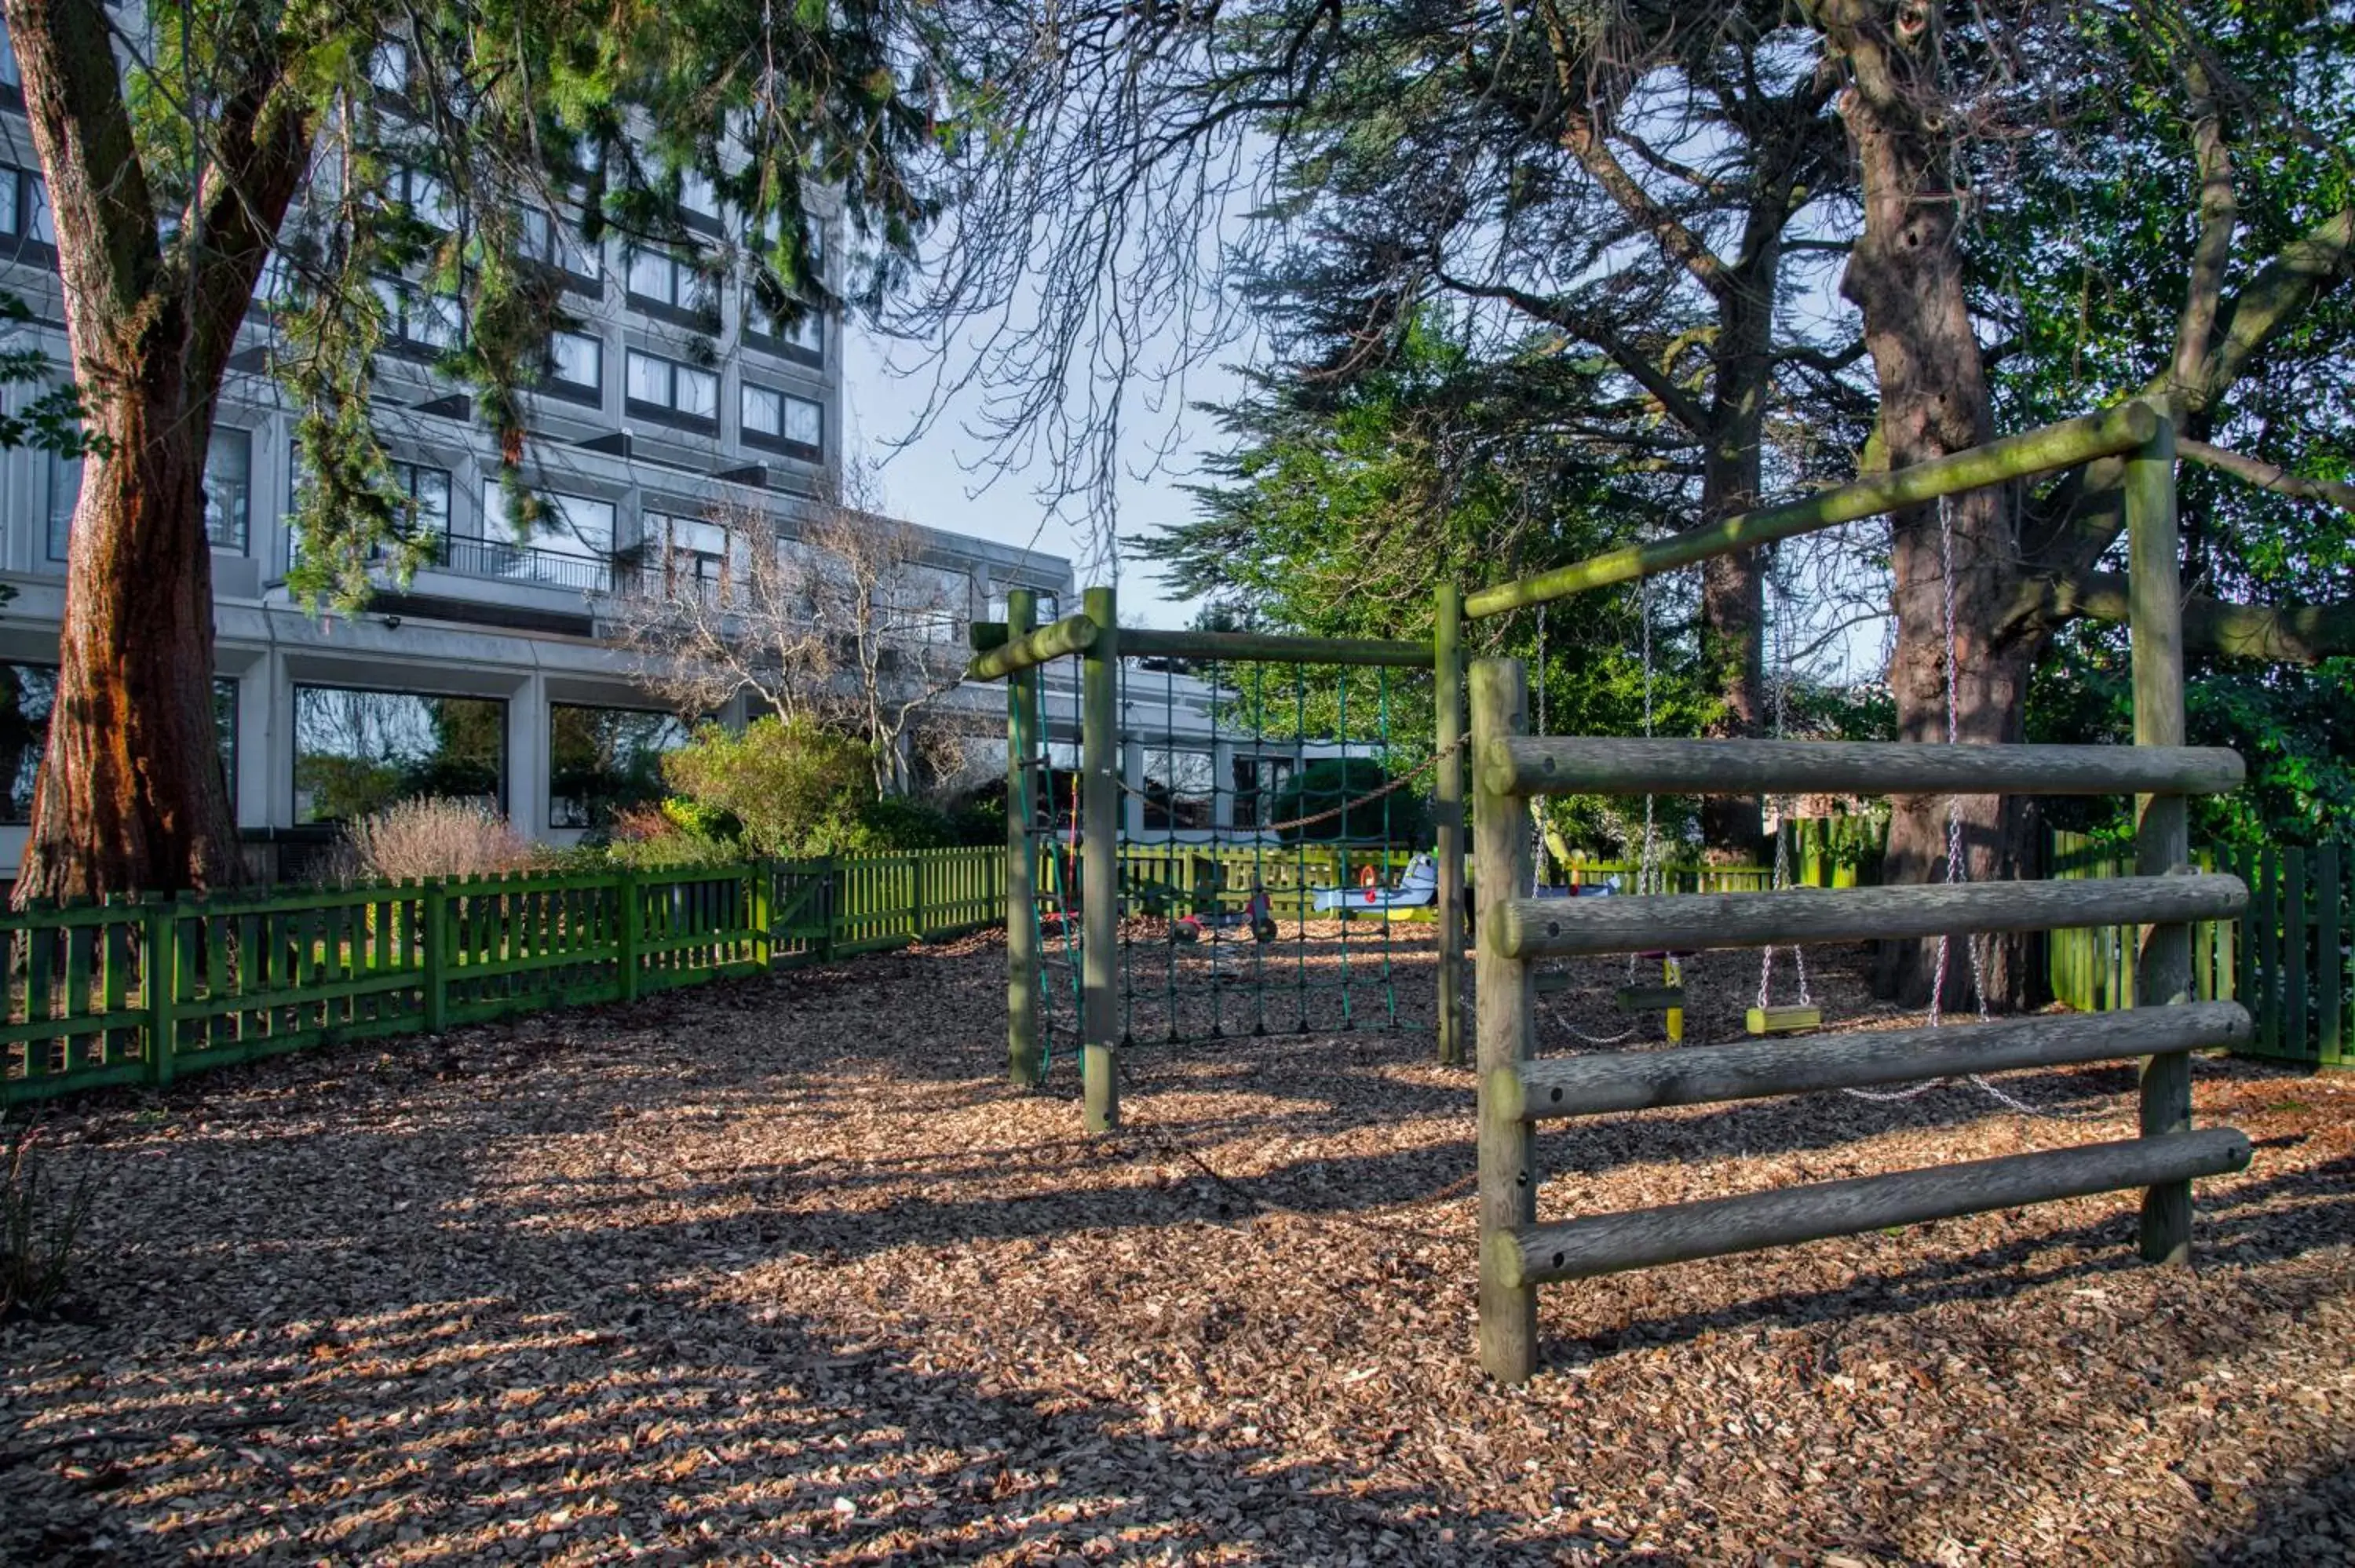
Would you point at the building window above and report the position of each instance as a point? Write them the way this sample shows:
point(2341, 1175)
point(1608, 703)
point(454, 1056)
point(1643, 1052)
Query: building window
point(1177, 790)
point(576, 365)
point(570, 543)
point(803, 337)
point(693, 557)
point(604, 760)
point(25, 208)
point(64, 492)
point(665, 285)
point(781, 420)
point(228, 487)
point(421, 196)
point(428, 490)
point(28, 694)
point(417, 320)
point(1257, 781)
point(388, 67)
point(678, 394)
point(359, 751)
point(11, 76)
point(697, 201)
point(553, 243)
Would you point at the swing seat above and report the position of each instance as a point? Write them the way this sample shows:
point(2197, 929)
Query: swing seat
point(1784, 1020)
point(1350, 900)
point(1651, 998)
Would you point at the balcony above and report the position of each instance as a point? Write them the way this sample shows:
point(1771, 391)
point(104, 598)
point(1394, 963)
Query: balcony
point(524, 564)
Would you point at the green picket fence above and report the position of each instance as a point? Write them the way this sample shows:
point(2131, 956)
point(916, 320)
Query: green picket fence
point(142, 992)
point(2287, 960)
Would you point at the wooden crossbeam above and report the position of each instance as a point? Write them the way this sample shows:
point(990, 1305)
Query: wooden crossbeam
point(1552, 1087)
point(1609, 766)
point(1575, 927)
point(1680, 1233)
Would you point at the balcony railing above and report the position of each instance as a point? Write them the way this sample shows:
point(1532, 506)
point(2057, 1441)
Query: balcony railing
point(524, 563)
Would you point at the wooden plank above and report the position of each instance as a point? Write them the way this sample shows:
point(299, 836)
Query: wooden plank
point(1253, 647)
point(1641, 1080)
point(1610, 766)
point(1571, 927)
point(1447, 816)
point(1681, 1232)
point(1072, 634)
point(1787, 1020)
point(1504, 1020)
point(2053, 447)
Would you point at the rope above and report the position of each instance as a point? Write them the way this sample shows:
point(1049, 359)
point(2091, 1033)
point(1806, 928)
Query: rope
point(1346, 806)
point(1955, 876)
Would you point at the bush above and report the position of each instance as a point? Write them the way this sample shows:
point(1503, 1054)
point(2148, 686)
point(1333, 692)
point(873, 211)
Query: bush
point(436, 837)
point(678, 832)
point(795, 787)
point(1401, 816)
point(38, 1228)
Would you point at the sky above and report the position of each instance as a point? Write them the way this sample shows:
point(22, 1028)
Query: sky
point(936, 481)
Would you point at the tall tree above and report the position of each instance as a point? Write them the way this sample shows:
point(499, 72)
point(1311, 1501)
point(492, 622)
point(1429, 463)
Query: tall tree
point(1930, 99)
point(182, 148)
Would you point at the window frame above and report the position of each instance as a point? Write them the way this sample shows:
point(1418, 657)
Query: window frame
point(295, 740)
point(751, 435)
point(555, 386)
point(691, 293)
point(667, 412)
point(587, 816)
point(244, 521)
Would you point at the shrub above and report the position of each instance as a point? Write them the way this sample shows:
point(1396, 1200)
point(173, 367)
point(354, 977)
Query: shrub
point(38, 1227)
point(794, 786)
point(678, 832)
point(1401, 816)
point(436, 837)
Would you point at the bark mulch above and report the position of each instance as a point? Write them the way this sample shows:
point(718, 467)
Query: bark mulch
point(782, 1271)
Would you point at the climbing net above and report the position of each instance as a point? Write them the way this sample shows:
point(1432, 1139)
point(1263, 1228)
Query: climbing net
point(1274, 853)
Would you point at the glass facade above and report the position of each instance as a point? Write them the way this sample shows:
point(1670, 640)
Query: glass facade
point(357, 751)
point(604, 760)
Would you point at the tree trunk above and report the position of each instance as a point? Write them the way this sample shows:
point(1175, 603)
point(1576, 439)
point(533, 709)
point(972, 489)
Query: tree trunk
point(130, 795)
point(1732, 588)
point(1905, 274)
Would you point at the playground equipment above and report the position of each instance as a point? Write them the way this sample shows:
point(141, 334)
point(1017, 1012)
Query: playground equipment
point(1235, 901)
point(1517, 1254)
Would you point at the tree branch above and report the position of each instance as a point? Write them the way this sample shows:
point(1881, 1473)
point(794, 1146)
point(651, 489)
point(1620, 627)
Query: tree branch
point(2268, 476)
point(2218, 216)
point(1554, 312)
point(2282, 634)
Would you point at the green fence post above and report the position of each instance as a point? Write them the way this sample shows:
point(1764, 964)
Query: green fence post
point(2330, 966)
point(764, 938)
point(632, 931)
point(437, 956)
point(162, 987)
point(916, 897)
point(2294, 946)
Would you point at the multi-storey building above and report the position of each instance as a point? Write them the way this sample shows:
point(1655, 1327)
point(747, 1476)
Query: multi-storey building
point(487, 673)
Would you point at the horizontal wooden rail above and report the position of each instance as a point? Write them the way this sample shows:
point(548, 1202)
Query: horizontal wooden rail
point(1259, 647)
point(1680, 1233)
point(1576, 927)
point(1072, 634)
point(1557, 1086)
point(2064, 445)
point(1599, 766)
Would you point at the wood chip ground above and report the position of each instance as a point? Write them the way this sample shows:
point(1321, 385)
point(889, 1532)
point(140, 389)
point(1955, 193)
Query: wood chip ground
point(781, 1271)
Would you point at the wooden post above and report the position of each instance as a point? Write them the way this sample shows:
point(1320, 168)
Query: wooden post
point(2162, 827)
point(163, 990)
point(1100, 761)
point(1447, 695)
point(436, 938)
point(2331, 975)
point(1501, 1014)
point(626, 890)
point(1023, 1056)
point(764, 936)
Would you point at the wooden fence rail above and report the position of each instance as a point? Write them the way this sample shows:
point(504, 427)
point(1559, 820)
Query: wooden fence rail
point(145, 991)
